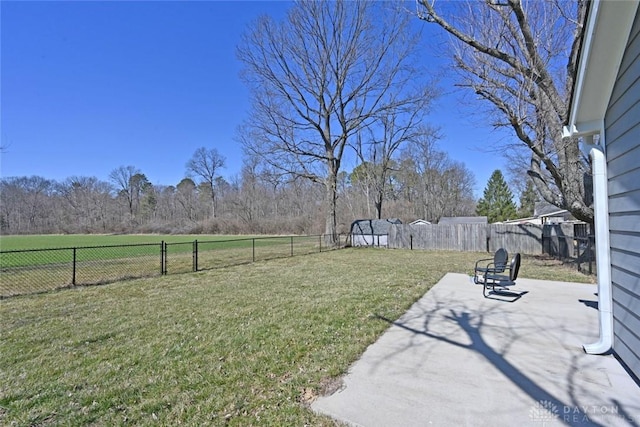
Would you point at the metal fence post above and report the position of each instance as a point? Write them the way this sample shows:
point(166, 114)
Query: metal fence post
point(291, 245)
point(320, 240)
point(253, 249)
point(162, 258)
point(73, 279)
point(166, 257)
point(195, 255)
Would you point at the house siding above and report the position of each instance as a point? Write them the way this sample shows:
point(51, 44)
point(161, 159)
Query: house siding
point(622, 130)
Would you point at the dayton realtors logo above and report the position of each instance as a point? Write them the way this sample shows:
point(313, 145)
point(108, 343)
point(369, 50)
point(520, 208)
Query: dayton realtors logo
point(546, 411)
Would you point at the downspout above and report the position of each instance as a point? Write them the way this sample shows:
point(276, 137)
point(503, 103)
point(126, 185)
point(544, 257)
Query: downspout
point(603, 255)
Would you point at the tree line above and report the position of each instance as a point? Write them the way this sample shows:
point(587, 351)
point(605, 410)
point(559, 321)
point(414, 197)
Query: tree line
point(423, 183)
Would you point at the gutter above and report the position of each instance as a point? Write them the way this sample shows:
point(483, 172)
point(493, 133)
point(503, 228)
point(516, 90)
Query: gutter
point(590, 18)
point(603, 254)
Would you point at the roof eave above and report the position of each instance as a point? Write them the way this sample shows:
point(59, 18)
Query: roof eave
point(600, 59)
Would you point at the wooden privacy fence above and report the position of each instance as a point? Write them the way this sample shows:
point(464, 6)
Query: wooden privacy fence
point(458, 237)
point(557, 239)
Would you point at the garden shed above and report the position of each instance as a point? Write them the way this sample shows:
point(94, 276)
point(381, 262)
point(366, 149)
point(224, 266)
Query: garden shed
point(371, 232)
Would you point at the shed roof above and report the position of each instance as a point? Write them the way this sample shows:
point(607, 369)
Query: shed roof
point(451, 220)
point(373, 226)
point(544, 208)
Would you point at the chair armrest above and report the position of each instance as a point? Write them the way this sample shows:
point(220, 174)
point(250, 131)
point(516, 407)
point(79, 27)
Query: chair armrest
point(483, 260)
point(490, 268)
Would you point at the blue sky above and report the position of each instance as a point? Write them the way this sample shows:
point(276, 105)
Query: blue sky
point(87, 87)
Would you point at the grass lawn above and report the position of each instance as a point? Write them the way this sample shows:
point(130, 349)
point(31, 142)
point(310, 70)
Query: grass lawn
point(241, 345)
point(18, 251)
point(45, 241)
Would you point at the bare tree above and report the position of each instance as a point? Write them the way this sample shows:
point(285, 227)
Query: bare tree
point(252, 196)
point(167, 203)
point(139, 186)
point(387, 135)
point(86, 201)
point(521, 57)
point(317, 79)
point(206, 164)
point(433, 183)
point(122, 179)
point(26, 204)
point(186, 197)
point(244, 199)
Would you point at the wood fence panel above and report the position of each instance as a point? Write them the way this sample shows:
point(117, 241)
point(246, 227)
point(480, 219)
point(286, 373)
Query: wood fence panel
point(454, 237)
point(526, 239)
point(399, 237)
point(559, 240)
point(474, 237)
point(523, 238)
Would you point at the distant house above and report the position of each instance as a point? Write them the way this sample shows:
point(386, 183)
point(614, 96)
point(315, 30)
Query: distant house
point(420, 222)
point(454, 220)
point(605, 112)
point(544, 213)
point(557, 217)
point(549, 214)
point(530, 220)
point(371, 232)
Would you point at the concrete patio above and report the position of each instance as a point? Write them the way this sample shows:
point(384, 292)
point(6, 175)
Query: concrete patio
point(456, 358)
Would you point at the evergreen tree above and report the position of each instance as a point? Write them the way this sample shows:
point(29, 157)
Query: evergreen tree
point(497, 203)
point(528, 200)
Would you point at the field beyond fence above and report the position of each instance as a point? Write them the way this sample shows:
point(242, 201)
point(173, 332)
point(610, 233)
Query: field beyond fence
point(26, 271)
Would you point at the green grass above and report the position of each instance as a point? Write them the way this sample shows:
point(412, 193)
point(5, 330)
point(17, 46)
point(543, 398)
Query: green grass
point(94, 248)
point(57, 249)
point(242, 345)
point(42, 241)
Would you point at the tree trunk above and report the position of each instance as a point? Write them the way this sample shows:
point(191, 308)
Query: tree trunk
point(213, 202)
point(331, 197)
point(378, 205)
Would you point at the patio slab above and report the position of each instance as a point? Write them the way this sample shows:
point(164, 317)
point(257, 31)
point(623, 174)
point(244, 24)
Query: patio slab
point(456, 358)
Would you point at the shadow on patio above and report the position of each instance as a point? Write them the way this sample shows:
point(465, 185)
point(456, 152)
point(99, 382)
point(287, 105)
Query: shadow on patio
point(458, 358)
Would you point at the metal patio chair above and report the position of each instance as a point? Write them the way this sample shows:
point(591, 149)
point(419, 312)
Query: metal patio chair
point(493, 280)
point(496, 265)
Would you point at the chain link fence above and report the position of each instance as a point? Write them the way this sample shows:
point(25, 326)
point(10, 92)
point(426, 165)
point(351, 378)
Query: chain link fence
point(41, 270)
